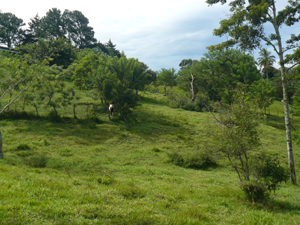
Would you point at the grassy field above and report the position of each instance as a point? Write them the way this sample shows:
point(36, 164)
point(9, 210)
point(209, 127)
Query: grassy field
point(110, 172)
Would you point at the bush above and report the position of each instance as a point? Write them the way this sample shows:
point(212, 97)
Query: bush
point(268, 174)
point(180, 99)
point(199, 160)
point(54, 117)
point(255, 191)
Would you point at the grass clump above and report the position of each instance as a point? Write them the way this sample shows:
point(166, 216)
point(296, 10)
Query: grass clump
point(106, 180)
point(131, 191)
point(198, 161)
point(22, 147)
point(37, 161)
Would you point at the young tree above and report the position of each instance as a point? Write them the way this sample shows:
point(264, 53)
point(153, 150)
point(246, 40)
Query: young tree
point(262, 93)
point(16, 76)
point(167, 77)
point(265, 61)
point(246, 27)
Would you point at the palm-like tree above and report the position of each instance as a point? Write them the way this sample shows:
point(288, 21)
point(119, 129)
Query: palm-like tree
point(266, 60)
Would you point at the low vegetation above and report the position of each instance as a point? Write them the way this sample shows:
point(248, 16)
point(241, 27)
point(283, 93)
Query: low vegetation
point(151, 170)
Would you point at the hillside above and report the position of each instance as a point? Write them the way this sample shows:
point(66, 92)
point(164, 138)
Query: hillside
point(111, 172)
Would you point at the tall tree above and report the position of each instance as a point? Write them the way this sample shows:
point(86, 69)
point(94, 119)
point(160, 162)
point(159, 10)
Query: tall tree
point(247, 27)
point(78, 31)
point(265, 61)
point(53, 25)
point(10, 29)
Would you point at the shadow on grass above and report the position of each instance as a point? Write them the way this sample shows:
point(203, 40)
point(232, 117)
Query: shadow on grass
point(278, 206)
point(147, 100)
point(275, 121)
point(153, 124)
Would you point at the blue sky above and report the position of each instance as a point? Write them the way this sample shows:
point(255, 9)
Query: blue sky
point(159, 33)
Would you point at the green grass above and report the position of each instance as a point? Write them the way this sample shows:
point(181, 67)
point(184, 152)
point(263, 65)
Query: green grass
point(78, 172)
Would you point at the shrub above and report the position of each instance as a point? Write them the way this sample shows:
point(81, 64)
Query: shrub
point(255, 191)
point(199, 160)
point(54, 117)
point(268, 174)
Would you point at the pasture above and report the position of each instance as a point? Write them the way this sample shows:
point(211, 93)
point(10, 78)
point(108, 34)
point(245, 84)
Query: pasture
point(110, 172)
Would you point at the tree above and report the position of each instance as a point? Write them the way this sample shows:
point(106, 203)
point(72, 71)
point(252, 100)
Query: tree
point(111, 48)
point(262, 93)
point(16, 76)
point(78, 31)
point(246, 27)
point(167, 77)
point(265, 61)
point(219, 72)
point(53, 25)
point(185, 75)
point(10, 29)
point(59, 51)
point(236, 135)
point(111, 79)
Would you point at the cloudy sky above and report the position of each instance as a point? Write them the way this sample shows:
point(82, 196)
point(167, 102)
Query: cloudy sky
point(159, 33)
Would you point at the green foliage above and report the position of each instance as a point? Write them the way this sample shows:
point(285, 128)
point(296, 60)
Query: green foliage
point(255, 191)
point(197, 160)
point(178, 98)
point(17, 77)
point(10, 29)
point(236, 135)
point(268, 174)
point(167, 77)
point(265, 61)
point(269, 171)
point(218, 73)
point(58, 51)
point(262, 93)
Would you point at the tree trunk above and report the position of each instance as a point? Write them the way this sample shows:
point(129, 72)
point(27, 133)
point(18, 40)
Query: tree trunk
point(285, 102)
point(288, 131)
point(1, 152)
point(74, 111)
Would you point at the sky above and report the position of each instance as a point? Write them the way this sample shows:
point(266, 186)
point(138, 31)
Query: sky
point(159, 33)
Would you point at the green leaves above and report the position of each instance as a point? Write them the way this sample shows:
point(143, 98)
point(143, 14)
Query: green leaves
point(10, 29)
point(262, 93)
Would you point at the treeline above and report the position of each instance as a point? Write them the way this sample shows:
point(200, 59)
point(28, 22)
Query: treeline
point(59, 55)
point(73, 26)
point(217, 75)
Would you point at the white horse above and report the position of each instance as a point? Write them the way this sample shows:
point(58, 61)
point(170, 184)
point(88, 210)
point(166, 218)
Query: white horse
point(111, 110)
